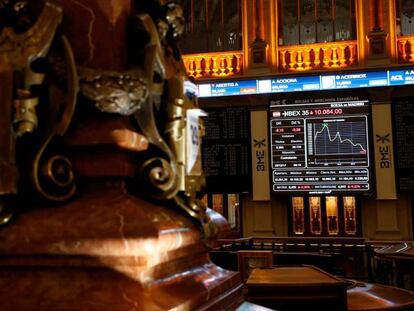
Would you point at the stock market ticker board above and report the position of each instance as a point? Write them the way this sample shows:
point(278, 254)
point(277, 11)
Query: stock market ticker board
point(403, 116)
point(226, 150)
point(320, 145)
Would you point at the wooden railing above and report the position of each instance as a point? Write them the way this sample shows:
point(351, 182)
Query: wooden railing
point(217, 64)
point(405, 46)
point(318, 56)
point(349, 253)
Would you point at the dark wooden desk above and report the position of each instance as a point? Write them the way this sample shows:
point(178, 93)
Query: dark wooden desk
point(296, 288)
point(398, 260)
point(375, 297)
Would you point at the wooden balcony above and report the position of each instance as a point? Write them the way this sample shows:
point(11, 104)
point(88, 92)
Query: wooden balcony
point(318, 56)
point(214, 65)
point(405, 45)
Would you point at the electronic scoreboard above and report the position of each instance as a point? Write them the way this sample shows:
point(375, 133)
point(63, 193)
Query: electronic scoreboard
point(319, 146)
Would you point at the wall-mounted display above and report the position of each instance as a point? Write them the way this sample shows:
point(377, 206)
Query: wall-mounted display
point(298, 215)
point(349, 215)
point(331, 204)
point(320, 145)
point(315, 215)
point(226, 151)
point(403, 113)
point(218, 202)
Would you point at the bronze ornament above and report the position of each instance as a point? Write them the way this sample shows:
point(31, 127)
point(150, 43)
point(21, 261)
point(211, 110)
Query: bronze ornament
point(25, 62)
point(153, 93)
point(60, 113)
point(113, 92)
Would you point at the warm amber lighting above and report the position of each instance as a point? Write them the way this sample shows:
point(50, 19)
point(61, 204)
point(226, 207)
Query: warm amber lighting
point(350, 215)
point(331, 204)
point(318, 56)
point(392, 29)
point(405, 45)
point(315, 215)
point(273, 33)
point(298, 215)
point(217, 64)
point(361, 31)
point(245, 37)
point(233, 209)
point(218, 203)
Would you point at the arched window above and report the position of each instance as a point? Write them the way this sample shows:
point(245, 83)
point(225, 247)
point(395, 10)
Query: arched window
point(405, 17)
point(211, 26)
point(316, 21)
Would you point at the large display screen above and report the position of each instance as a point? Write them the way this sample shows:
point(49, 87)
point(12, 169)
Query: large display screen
point(226, 150)
point(320, 145)
point(403, 113)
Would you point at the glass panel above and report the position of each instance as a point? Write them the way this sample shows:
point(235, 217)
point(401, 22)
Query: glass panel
point(325, 21)
point(350, 215)
point(218, 202)
point(199, 16)
point(233, 210)
point(290, 23)
point(186, 6)
point(344, 19)
point(211, 25)
point(310, 21)
point(332, 214)
point(298, 215)
point(307, 22)
point(215, 25)
point(315, 215)
point(232, 25)
point(195, 15)
point(407, 17)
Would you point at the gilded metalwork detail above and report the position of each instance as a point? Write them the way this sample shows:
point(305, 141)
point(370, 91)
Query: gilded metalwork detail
point(60, 113)
point(33, 62)
point(57, 176)
point(121, 93)
point(155, 64)
point(174, 104)
point(6, 212)
point(158, 175)
point(18, 51)
point(25, 118)
point(21, 49)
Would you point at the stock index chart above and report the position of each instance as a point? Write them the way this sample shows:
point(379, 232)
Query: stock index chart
point(320, 147)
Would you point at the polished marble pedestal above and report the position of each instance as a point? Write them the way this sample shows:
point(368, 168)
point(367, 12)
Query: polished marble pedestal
point(109, 250)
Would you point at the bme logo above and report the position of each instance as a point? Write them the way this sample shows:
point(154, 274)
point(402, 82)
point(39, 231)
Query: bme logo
point(260, 154)
point(259, 143)
point(384, 150)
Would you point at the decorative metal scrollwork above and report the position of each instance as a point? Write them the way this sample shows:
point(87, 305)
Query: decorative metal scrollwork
point(166, 83)
point(37, 95)
point(158, 178)
point(155, 66)
point(6, 210)
point(55, 178)
point(52, 176)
